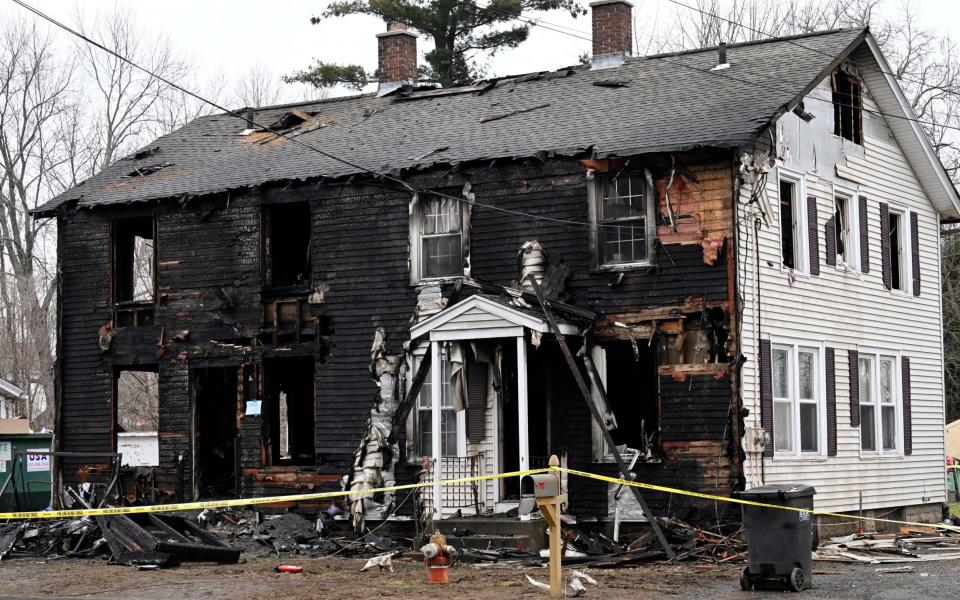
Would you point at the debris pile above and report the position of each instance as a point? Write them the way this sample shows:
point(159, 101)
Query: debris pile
point(909, 546)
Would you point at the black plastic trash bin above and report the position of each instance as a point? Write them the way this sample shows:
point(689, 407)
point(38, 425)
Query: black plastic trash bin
point(779, 541)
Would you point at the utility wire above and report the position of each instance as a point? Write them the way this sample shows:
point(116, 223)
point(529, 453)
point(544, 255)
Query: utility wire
point(796, 43)
point(723, 74)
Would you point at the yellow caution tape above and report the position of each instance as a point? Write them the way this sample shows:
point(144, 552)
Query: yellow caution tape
point(669, 490)
point(157, 508)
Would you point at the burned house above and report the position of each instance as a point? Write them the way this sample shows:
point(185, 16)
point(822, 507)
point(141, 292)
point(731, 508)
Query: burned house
point(345, 292)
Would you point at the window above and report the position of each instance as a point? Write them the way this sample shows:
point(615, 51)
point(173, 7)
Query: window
point(797, 399)
point(134, 268)
point(137, 417)
point(847, 107)
point(450, 433)
point(289, 410)
point(899, 261)
point(843, 230)
point(793, 237)
point(626, 222)
point(879, 403)
point(438, 237)
point(288, 248)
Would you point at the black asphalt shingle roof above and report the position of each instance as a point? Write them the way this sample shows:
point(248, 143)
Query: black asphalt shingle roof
point(669, 102)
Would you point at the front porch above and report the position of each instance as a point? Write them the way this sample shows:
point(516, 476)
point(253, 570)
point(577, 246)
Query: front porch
point(492, 418)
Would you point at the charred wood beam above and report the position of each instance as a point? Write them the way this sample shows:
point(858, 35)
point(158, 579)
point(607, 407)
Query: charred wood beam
point(400, 415)
point(598, 417)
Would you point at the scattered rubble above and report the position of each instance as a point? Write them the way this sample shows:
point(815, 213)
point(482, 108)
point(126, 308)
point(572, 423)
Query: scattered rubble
point(881, 548)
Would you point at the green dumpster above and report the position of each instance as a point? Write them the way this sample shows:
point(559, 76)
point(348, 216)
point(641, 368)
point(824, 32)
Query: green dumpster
point(26, 475)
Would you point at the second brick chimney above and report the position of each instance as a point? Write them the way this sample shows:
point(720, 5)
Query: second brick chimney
point(397, 50)
point(612, 32)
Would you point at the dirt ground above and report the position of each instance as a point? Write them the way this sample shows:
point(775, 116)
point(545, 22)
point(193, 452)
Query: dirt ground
point(337, 578)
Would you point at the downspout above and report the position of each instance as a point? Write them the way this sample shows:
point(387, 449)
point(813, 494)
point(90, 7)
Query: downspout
point(737, 383)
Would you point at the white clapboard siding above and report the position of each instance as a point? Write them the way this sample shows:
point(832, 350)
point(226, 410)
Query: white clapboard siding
point(843, 310)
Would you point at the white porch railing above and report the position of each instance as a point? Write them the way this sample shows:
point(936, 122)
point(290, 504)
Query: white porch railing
point(469, 497)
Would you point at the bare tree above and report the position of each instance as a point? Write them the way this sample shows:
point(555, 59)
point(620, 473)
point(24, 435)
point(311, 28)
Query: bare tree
point(128, 101)
point(34, 99)
point(258, 87)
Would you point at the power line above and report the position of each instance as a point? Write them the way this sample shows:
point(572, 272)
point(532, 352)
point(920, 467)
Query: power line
point(795, 43)
point(727, 76)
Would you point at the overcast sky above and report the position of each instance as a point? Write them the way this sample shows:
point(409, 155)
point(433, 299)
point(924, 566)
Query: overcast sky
point(228, 37)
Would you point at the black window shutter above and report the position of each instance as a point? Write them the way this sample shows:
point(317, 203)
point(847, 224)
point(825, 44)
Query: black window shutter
point(766, 395)
point(830, 237)
point(831, 403)
point(915, 252)
point(885, 245)
point(477, 397)
point(854, 359)
point(864, 237)
point(812, 229)
point(907, 412)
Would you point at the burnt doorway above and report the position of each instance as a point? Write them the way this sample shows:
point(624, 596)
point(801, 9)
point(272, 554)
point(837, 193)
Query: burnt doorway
point(289, 411)
point(215, 399)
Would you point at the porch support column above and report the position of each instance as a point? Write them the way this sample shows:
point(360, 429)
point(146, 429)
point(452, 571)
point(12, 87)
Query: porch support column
point(436, 370)
point(523, 418)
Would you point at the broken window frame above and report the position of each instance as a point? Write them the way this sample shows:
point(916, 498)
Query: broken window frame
point(597, 194)
point(418, 235)
point(131, 310)
point(849, 260)
point(118, 372)
point(267, 252)
point(801, 235)
point(870, 359)
point(794, 401)
point(424, 404)
point(847, 98)
point(902, 248)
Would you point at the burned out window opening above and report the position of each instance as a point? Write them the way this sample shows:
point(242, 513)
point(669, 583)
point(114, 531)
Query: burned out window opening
point(625, 216)
point(288, 244)
point(880, 402)
point(793, 230)
point(847, 106)
point(134, 270)
point(137, 416)
point(798, 398)
point(899, 250)
point(289, 410)
point(437, 236)
point(630, 378)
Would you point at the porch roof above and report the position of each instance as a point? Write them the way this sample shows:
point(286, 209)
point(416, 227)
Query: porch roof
point(486, 316)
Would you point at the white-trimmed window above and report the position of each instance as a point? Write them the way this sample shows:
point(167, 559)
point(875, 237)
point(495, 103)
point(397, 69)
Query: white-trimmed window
point(798, 398)
point(794, 238)
point(624, 210)
point(900, 259)
point(846, 228)
point(880, 402)
point(452, 424)
point(437, 238)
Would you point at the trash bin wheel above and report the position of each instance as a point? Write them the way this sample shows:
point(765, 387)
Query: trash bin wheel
point(797, 581)
point(746, 581)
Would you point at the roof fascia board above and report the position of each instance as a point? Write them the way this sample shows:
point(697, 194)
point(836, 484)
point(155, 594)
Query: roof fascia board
point(904, 107)
point(11, 389)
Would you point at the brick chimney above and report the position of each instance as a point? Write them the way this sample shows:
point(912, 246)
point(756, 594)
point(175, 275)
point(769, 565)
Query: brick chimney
point(397, 49)
point(612, 32)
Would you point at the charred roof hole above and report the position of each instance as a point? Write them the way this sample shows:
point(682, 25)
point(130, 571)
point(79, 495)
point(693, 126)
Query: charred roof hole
point(147, 170)
point(294, 118)
point(142, 154)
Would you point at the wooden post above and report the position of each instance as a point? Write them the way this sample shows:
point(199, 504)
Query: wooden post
point(436, 392)
point(551, 513)
point(523, 416)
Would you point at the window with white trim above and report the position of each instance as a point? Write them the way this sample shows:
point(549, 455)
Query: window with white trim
point(437, 240)
point(880, 403)
point(793, 232)
point(450, 426)
point(899, 250)
point(625, 215)
point(845, 228)
point(797, 399)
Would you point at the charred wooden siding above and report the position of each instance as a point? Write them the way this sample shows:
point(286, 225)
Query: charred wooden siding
point(210, 284)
